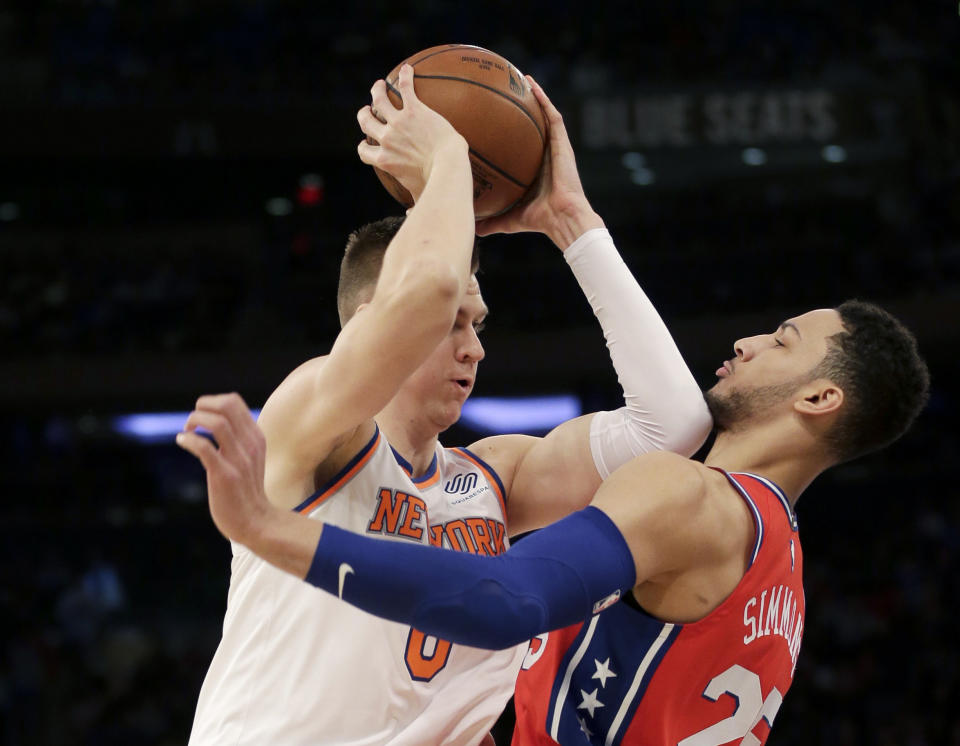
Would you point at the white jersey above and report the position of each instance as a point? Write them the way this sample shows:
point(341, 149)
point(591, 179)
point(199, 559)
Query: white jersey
point(298, 666)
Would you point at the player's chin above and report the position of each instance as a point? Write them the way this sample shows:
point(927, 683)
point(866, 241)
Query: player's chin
point(449, 413)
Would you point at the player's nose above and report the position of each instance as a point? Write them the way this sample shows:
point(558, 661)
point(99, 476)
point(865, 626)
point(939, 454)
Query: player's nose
point(472, 347)
point(745, 348)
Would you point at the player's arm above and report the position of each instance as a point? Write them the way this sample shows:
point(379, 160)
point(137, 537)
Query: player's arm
point(425, 272)
point(663, 405)
point(651, 521)
point(556, 577)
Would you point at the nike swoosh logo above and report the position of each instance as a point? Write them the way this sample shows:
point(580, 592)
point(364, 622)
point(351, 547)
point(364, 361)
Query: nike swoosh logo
point(345, 570)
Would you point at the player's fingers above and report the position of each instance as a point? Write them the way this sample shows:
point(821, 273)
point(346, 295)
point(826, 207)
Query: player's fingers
point(218, 402)
point(203, 449)
point(404, 87)
point(246, 431)
point(369, 124)
point(369, 152)
point(550, 111)
point(381, 102)
point(232, 406)
point(216, 424)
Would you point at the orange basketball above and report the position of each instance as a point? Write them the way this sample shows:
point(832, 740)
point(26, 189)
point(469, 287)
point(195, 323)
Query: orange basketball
point(488, 101)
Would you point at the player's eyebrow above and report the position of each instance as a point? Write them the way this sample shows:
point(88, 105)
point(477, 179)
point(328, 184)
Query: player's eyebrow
point(790, 325)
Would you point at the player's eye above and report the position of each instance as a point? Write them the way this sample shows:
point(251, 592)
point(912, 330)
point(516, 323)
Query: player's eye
point(779, 343)
point(479, 327)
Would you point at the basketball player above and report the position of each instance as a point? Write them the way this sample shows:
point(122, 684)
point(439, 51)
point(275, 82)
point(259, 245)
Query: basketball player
point(671, 610)
point(353, 441)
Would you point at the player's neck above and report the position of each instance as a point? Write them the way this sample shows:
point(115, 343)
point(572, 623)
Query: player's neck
point(413, 440)
point(788, 458)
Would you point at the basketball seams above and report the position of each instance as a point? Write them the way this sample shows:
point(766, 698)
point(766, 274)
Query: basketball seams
point(437, 65)
point(444, 50)
point(490, 88)
point(499, 170)
point(460, 48)
point(473, 152)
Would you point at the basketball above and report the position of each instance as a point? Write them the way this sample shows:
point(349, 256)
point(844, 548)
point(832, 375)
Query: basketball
point(488, 101)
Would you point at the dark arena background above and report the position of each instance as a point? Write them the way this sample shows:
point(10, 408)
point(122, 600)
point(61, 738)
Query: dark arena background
point(177, 180)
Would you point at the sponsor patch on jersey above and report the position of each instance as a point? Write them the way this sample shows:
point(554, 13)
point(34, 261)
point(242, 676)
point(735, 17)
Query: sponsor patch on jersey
point(606, 602)
point(460, 484)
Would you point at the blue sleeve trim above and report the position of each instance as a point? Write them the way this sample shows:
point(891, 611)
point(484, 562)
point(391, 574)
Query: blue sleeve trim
point(556, 577)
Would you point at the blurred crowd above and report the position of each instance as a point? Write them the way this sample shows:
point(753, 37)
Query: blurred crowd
point(88, 293)
point(256, 52)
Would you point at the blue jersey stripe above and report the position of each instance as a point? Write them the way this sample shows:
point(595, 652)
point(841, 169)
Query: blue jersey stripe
point(571, 660)
point(641, 681)
point(756, 515)
point(604, 675)
point(781, 496)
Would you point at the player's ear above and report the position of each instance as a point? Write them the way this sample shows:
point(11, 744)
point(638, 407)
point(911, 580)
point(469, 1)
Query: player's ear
point(819, 397)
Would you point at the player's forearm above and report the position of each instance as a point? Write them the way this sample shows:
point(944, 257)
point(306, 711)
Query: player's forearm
point(664, 405)
point(285, 539)
point(427, 265)
point(439, 229)
point(549, 580)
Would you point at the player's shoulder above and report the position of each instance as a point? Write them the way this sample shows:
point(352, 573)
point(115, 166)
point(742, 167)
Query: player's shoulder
point(661, 484)
point(295, 385)
point(503, 453)
point(667, 469)
point(303, 371)
point(503, 449)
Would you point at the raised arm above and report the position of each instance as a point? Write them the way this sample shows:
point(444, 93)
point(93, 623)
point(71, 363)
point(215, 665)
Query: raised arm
point(663, 405)
point(426, 269)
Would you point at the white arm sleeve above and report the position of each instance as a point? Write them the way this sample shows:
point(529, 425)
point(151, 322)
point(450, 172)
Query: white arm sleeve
point(665, 409)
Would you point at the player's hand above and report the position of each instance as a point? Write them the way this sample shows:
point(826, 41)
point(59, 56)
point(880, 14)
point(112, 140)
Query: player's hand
point(558, 206)
point(234, 464)
point(407, 141)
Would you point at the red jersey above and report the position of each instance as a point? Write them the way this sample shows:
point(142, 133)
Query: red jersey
point(624, 677)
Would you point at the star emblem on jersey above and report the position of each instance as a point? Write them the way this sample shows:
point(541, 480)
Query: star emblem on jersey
point(590, 701)
point(603, 672)
point(584, 728)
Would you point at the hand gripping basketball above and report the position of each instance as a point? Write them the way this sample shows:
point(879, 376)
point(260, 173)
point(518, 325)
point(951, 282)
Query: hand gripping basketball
point(557, 205)
point(488, 101)
point(404, 141)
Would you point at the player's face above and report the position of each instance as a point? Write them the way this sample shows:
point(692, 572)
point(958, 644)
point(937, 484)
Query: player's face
point(768, 369)
point(440, 386)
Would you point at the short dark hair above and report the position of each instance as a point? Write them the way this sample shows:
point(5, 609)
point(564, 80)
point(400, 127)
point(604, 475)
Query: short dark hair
point(885, 382)
point(363, 259)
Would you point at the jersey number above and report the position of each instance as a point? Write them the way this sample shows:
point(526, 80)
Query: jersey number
point(426, 655)
point(744, 686)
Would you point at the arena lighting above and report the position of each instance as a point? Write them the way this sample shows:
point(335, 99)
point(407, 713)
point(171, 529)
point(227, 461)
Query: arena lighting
point(310, 191)
point(636, 164)
point(486, 414)
point(153, 427)
point(632, 161)
point(278, 206)
point(754, 156)
point(834, 153)
point(521, 414)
